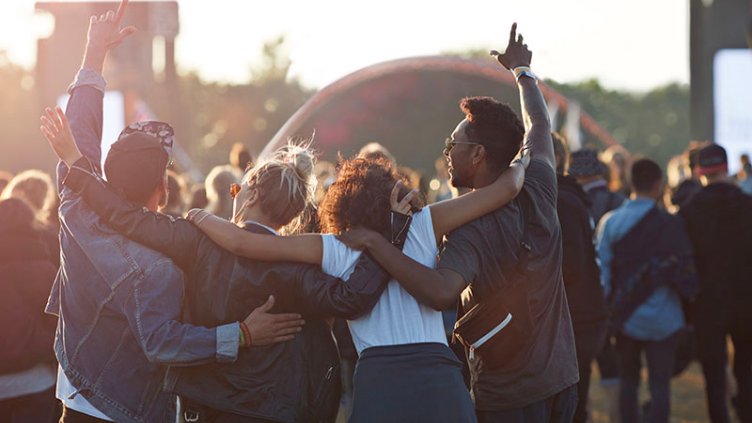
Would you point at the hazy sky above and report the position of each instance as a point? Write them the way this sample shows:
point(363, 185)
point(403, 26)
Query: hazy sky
point(633, 44)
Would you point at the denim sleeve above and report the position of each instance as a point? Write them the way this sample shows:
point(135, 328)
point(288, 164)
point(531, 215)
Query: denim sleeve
point(153, 308)
point(178, 239)
point(84, 112)
point(605, 255)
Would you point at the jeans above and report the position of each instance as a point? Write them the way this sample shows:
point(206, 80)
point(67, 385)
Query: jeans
point(558, 408)
point(660, 360)
point(711, 348)
point(589, 338)
point(608, 362)
point(41, 407)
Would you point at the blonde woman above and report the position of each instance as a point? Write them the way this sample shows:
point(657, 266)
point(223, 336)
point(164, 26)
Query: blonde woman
point(275, 380)
point(405, 371)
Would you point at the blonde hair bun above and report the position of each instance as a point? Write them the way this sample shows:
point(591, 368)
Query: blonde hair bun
point(302, 159)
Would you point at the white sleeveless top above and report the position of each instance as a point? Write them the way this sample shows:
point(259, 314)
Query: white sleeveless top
point(397, 318)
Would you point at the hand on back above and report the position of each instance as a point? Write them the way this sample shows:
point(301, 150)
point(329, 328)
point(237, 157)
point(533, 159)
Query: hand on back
point(267, 328)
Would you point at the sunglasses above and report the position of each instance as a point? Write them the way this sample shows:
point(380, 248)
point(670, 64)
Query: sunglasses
point(234, 190)
point(450, 143)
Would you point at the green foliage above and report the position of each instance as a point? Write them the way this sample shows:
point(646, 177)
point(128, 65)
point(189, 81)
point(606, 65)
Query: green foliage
point(213, 116)
point(653, 124)
point(209, 117)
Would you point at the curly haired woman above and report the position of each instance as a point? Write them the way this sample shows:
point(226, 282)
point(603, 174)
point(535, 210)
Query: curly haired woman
point(405, 371)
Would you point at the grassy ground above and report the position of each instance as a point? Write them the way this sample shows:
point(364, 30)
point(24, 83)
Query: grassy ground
point(687, 397)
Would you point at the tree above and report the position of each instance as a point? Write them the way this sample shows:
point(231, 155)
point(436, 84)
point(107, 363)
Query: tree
point(653, 124)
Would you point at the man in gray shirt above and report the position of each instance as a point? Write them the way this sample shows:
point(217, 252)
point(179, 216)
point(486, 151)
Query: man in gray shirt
point(538, 382)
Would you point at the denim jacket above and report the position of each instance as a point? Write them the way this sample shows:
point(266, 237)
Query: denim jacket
point(118, 302)
point(295, 381)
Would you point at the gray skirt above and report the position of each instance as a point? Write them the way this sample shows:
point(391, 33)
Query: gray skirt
point(410, 383)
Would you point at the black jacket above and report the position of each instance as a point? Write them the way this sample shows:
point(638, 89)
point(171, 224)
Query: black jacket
point(579, 268)
point(719, 222)
point(602, 201)
point(26, 275)
point(294, 381)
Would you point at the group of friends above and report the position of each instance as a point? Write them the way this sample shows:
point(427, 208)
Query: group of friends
point(230, 317)
point(205, 319)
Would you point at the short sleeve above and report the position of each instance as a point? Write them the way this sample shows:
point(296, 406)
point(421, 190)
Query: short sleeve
point(540, 179)
point(461, 254)
point(337, 259)
point(422, 233)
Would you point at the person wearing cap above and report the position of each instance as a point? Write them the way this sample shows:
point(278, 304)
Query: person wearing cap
point(719, 221)
point(587, 170)
point(524, 365)
point(118, 303)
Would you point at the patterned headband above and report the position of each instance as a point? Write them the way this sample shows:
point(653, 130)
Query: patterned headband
point(160, 130)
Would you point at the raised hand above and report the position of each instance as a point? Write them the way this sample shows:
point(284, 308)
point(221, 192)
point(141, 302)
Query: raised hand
point(408, 201)
point(516, 54)
point(57, 131)
point(105, 33)
point(267, 328)
point(105, 30)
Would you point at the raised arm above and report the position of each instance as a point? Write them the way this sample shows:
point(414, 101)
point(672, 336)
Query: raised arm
point(451, 214)
point(175, 238)
point(517, 59)
point(301, 248)
point(87, 91)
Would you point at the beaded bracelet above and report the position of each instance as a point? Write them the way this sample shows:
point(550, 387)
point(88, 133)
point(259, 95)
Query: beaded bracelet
point(246, 334)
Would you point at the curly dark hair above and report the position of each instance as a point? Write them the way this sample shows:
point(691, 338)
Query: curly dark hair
point(495, 126)
point(360, 196)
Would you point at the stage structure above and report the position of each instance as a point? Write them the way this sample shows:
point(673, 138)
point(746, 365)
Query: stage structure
point(721, 74)
point(410, 106)
point(142, 69)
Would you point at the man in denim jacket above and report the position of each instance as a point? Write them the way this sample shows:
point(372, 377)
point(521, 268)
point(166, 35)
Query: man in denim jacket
point(118, 302)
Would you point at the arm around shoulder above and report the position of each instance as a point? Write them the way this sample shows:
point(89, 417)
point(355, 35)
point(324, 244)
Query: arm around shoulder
point(453, 213)
point(306, 248)
point(319, 294)
point(153, 308)
point(175, 238)
point(436, 289)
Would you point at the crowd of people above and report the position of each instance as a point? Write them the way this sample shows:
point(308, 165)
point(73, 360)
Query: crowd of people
point(291, 290)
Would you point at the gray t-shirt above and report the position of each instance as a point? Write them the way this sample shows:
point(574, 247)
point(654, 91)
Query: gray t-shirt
point(485, 253)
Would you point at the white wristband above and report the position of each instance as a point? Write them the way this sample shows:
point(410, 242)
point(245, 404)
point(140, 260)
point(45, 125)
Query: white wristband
point(521, 71)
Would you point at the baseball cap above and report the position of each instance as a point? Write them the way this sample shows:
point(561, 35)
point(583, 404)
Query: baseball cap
point(711, 159)
point(584, 162)
point(137, 161)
